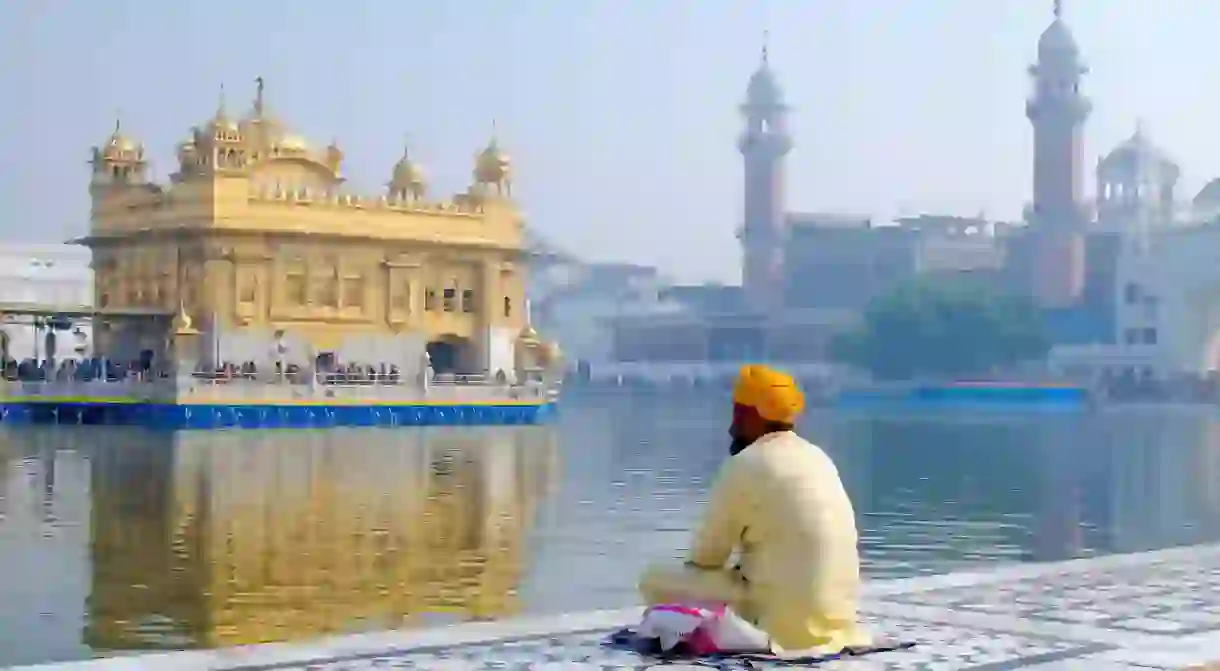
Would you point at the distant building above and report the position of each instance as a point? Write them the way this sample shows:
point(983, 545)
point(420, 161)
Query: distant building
point(45, 275)
point(1126, 283)
point(805, 276)
point(1150, 277)
point(572, 301)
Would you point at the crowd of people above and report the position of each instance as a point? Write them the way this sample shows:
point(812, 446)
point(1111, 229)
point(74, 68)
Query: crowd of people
point(291, 373)
point(79, 370)
point(99, 369)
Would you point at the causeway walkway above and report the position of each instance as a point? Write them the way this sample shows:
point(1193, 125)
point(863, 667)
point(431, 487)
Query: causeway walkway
point(1155, 610)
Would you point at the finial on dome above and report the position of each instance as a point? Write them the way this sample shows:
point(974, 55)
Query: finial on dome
point(334, 156)
point(528, 334)
point(259, 85)
point(765, 50)
point(181, 322)
point(1058, 9)
point(118, 142)
point(220, 103)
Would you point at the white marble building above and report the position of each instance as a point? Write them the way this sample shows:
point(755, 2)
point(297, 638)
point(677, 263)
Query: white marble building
point(1166, 284)
point(574, 302)
point(44, 274)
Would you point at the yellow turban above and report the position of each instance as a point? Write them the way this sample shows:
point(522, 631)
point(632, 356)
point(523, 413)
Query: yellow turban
point(773, 394)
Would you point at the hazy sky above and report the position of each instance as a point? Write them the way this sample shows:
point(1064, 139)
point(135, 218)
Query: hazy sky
point(620, 115)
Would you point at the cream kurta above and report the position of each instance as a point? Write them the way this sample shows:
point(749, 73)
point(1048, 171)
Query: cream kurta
point(780, 503)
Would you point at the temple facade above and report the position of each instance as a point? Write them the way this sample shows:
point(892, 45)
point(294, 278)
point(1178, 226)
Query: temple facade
point(257, 251)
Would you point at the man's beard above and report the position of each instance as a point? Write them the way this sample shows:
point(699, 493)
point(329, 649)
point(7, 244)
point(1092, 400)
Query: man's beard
point(738, 444)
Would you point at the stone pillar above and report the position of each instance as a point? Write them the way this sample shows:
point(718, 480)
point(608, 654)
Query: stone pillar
point(490, 314)
point(185, 352)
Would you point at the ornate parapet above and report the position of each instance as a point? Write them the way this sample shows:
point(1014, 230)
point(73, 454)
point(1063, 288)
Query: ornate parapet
point(321, 197)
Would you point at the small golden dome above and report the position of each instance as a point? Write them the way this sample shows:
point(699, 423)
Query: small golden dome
point(492, 165)
point(121, 143)
point(407, 172)
point(528, 334)
point(292, 142)
point(118, 143)
point(223, 124)
point(549, 354)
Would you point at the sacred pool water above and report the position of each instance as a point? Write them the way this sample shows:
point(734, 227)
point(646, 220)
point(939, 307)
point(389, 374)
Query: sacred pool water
point(116, 538)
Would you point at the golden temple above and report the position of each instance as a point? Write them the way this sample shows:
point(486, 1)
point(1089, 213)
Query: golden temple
point(255, 244)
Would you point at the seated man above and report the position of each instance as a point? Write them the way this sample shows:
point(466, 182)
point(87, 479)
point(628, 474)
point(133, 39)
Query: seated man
point(779, 502)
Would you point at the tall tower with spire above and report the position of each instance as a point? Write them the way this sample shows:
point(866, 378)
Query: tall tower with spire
point(764, 143)
point(1057, 110)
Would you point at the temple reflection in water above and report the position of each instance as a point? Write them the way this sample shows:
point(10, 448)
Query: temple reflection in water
point(227, 538)
point(120, 538)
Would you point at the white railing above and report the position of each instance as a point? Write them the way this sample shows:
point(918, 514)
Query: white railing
point(128, 389)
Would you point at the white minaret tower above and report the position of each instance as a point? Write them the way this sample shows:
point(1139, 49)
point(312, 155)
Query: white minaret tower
point(1057, 110)
point(764, 144)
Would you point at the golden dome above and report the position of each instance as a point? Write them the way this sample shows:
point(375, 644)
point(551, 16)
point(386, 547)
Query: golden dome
point(121, 143)
point(224, 124)
point(528, 334)
point(292, 142)
point(407, 172)
point(220, 126)
point(549, 354)
point(492, 165)
point(118, 143)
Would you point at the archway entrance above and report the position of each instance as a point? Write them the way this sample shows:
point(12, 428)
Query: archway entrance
point(451, 355)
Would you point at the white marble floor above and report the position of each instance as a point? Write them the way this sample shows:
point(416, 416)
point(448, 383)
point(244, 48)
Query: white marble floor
point(1158, 610)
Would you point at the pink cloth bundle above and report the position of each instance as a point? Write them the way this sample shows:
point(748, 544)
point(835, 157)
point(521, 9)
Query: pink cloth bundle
point(704, 630)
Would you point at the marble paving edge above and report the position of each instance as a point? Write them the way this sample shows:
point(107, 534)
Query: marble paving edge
point(1027, 571)
point(270, 655)
point(392, 642)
